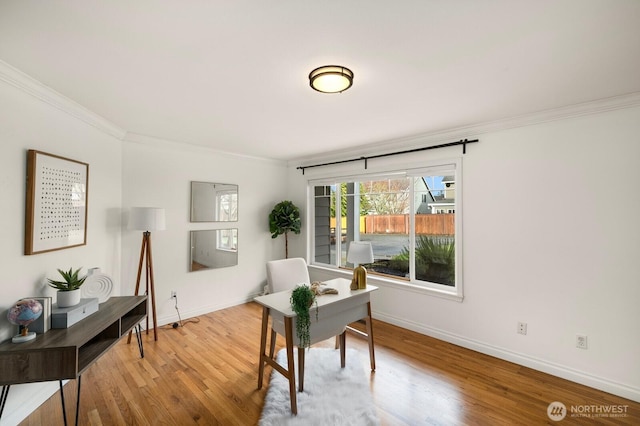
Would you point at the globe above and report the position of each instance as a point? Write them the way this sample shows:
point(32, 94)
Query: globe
point(23, 313)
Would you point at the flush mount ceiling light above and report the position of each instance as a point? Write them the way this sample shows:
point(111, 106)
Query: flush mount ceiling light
point(331, 79)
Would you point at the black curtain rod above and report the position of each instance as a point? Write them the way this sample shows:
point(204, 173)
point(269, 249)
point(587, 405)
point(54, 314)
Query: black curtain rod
point(462, 142)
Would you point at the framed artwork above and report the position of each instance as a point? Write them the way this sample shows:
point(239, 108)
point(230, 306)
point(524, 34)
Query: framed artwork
point(56, 203)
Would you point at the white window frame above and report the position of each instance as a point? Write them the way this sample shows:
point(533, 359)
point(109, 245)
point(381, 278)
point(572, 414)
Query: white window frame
point(229, 233)
point(449, 165)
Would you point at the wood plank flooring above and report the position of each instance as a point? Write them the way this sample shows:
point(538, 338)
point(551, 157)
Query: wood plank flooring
point(205, 373)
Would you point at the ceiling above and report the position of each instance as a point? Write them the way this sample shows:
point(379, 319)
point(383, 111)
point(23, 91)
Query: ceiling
point(233, 75)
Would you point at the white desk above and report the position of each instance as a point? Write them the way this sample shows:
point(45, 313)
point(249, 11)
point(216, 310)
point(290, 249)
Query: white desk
point(335, 312)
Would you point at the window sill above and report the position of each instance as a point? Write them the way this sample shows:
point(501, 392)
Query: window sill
point(389, 283)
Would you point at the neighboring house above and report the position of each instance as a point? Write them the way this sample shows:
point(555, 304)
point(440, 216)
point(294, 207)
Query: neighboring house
point(438, 201)
point(445, 202)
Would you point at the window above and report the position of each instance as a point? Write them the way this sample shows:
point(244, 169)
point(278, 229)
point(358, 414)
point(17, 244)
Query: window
point(227, 205)
point(227, 239)
point(409, 217)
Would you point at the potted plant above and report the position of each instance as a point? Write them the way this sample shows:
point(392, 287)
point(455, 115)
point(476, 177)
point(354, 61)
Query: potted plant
point(69, 289)
point(284, 218)
point(302, 297)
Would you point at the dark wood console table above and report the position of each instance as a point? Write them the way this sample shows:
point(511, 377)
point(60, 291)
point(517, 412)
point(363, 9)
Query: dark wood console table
point(61, 354)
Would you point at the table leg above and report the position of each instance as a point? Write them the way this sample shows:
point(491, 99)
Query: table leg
point(3, 398)
point(369, 324)
point(263, 344)
point(291, 370)
point(343, 348)
point(78, 400)
point(64, 410)
point(139, 339)
point(300, 369)
point(272, 347)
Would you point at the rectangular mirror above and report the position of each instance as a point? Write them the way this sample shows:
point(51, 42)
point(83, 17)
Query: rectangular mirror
point(214, 202)
point(216, 248)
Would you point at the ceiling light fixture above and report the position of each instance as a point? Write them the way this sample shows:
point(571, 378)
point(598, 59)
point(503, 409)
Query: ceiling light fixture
point(331, 79)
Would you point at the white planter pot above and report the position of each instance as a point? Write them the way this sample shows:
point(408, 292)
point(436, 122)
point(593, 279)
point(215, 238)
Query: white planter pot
point(68, 298)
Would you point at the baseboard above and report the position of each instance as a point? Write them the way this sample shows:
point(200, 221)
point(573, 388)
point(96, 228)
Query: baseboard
point(203, 310)
point(557, 370)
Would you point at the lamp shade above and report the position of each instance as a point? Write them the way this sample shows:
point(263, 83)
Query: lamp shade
point(360, 252)
point(331, 79)
point(147, 219)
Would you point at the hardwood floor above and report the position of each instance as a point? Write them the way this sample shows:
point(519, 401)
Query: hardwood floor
point(206, 373)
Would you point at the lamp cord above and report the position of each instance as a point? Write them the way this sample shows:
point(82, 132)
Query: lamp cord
point(180, 323)
point(178, 311)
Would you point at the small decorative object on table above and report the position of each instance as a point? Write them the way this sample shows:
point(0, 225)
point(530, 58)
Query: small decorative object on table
point(23, 313)
point(359, 252)
point(319, 289)
point(302, 297)
point(97, 285)
point(66, 317)
point(69, 289)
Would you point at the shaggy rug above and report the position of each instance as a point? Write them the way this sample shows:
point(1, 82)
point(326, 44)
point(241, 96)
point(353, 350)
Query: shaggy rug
point(331, 396)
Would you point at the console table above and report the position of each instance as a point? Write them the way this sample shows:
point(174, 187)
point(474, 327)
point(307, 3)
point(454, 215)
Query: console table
point(61, 354)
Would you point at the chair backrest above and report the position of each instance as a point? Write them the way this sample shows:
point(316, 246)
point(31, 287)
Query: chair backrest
point(285, 274)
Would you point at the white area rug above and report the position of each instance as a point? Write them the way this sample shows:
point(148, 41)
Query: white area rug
point(331, 396)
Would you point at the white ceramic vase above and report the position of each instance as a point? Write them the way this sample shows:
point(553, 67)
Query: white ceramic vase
point(68, 298)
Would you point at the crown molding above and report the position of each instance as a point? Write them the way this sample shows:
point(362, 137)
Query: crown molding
point(156, 142)
point(31, 86)
point(598, 106)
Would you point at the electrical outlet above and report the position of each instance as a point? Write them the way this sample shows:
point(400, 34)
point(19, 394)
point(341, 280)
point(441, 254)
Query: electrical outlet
point(174, 294)
point(581, 341)
point(522, 328)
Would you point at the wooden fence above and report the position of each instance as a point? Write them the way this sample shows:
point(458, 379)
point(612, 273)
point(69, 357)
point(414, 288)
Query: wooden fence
point(427, 224)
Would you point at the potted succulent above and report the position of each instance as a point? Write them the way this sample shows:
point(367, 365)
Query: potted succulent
point(69, 289)
point(284, 218)
point(302, 298)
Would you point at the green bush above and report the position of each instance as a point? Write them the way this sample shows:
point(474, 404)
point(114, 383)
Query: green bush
point(435, 260)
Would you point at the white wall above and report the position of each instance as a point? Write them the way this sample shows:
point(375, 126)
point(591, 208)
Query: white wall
point(551, 238)
point(158, 174)
point(29, 123)
point(124, 174)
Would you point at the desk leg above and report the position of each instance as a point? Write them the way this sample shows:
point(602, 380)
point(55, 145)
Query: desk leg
point(78, 400)
point(291, 370)
point(263, 344)
point(301, 369)
point(272, 347)
point(3, 398)
point(64, 410)
point(343, 347)
point(139, 339)
point(369, 324)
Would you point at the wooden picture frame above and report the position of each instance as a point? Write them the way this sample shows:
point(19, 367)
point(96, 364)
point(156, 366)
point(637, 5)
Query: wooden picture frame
point(56, 203)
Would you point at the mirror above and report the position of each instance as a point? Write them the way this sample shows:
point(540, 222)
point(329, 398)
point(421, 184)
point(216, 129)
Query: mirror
point(214, 202)
point(216, 248)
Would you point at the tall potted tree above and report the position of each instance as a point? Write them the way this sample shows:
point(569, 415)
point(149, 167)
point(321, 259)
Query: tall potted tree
point(284, 218)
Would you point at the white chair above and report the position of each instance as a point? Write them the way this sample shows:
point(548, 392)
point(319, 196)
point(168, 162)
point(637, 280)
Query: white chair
point(285, 274)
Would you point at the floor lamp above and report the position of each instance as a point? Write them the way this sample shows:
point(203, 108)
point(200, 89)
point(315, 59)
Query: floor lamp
point(147, 219)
